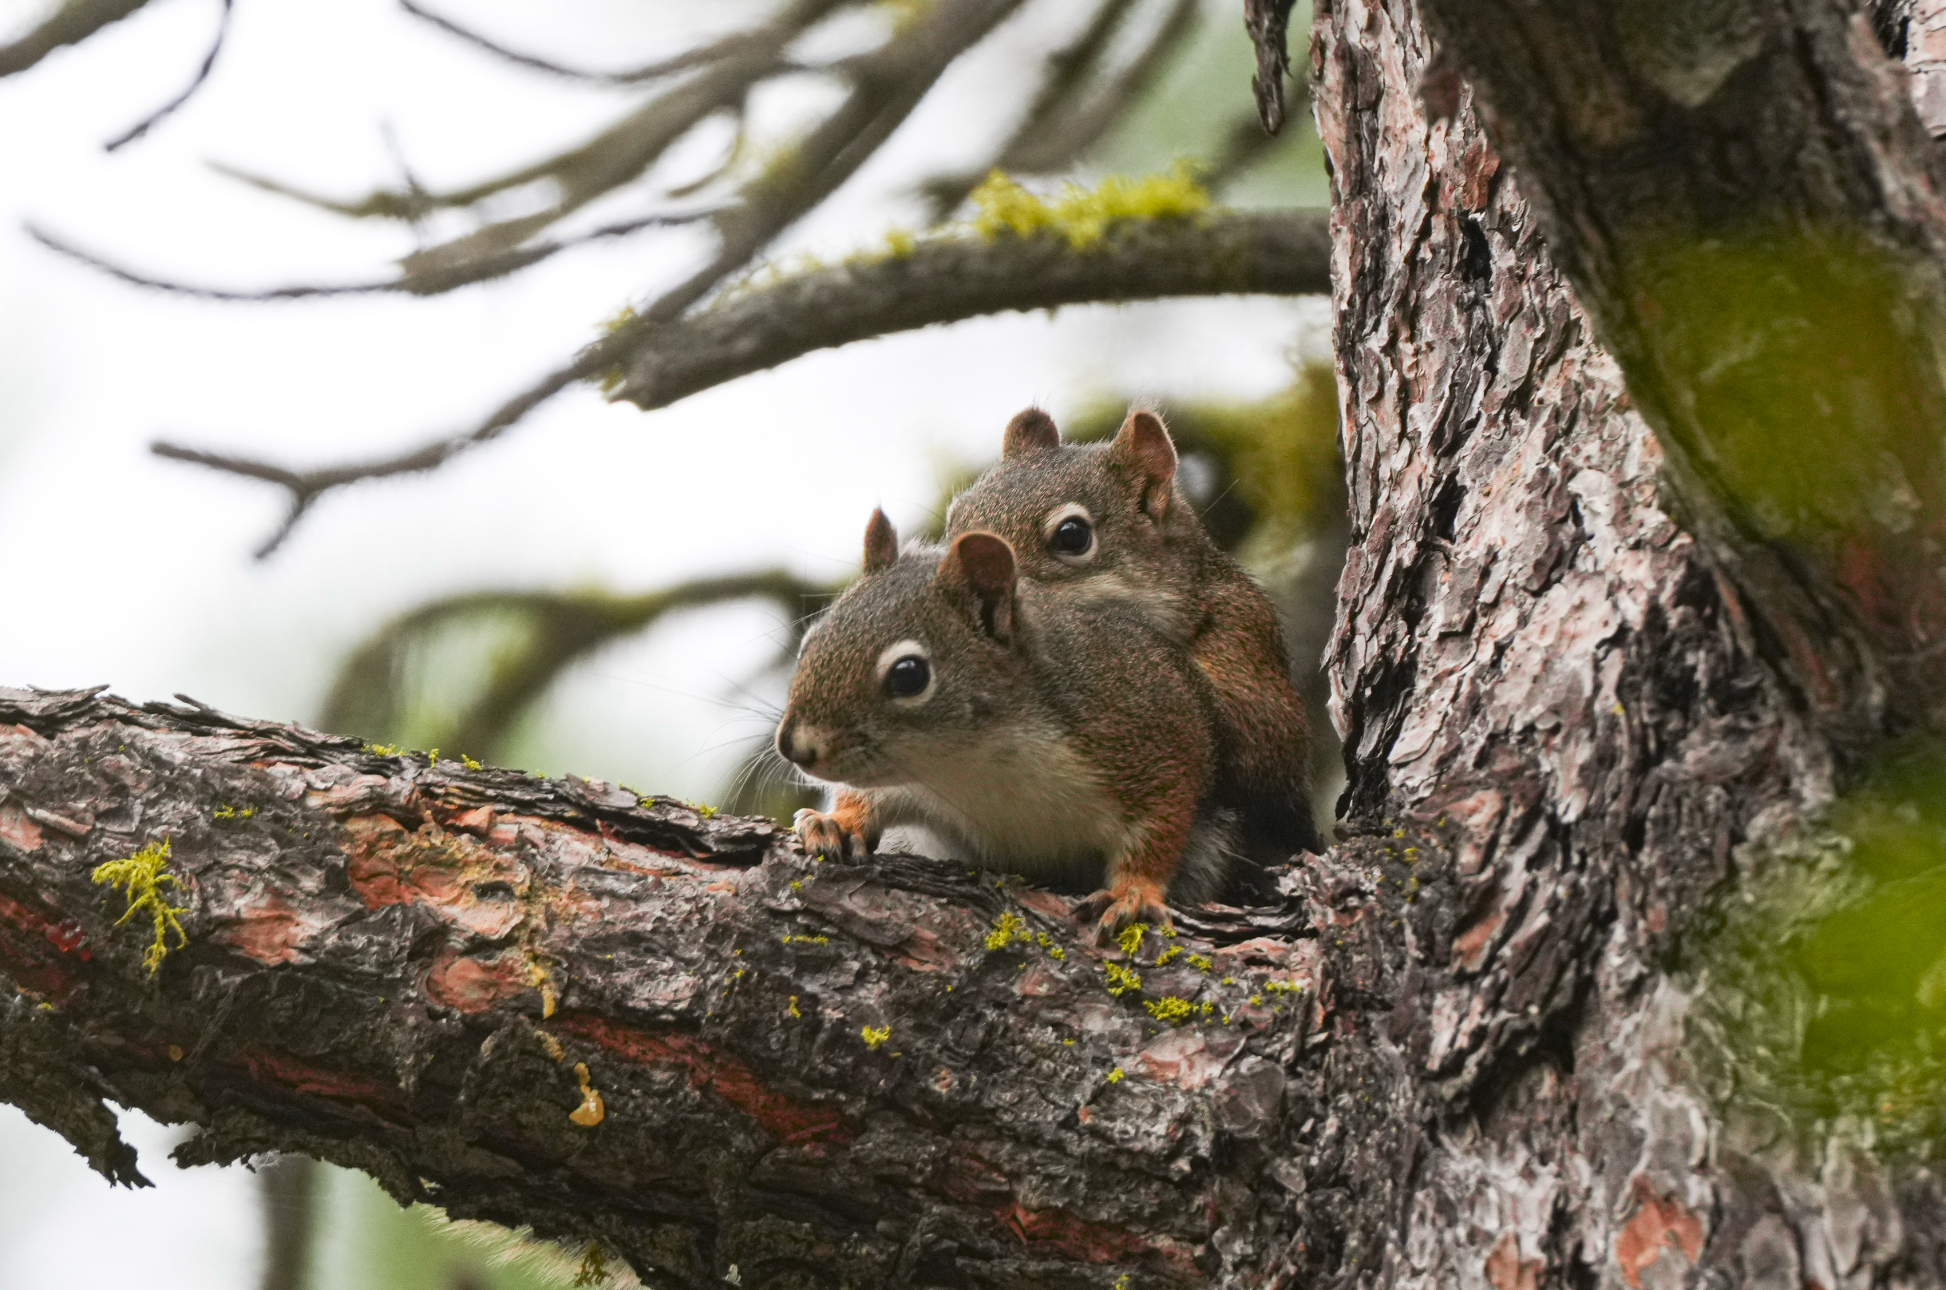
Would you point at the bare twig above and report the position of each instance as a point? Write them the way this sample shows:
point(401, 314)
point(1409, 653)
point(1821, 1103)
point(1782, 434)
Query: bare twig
point(563, 628)
point(143, 126)
point(72, 23)
point(729, 46)
point(427, 282)
point(886, 85)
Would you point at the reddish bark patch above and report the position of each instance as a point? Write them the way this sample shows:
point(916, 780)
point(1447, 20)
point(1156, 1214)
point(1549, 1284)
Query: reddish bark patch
point(474, 985)
point(22, 958)
point(1056, 1231)
point(1506, 1270)
point(478, 820)
point(269, 931)
point(296, 1075)
point(17, 830)
point(784, 1118)
point(1658, 1222)
point(1470, 948)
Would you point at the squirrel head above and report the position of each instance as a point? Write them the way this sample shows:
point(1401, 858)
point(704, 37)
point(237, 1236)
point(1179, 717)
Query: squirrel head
point(1074, 511)
point(917, 659)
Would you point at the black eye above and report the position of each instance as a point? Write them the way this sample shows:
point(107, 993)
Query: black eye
point(1072, 536)
point(907, 677)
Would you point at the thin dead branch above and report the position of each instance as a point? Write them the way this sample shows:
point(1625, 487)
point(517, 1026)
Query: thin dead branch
point(72, 23)
point(148, 122)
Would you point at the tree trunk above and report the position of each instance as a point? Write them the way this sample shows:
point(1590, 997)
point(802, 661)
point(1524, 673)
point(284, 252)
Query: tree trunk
point(1604, 656)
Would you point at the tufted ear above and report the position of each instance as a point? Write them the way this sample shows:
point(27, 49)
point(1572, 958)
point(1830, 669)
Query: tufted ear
point(881, 543)
point(1029, 431)
point(1143, 448)
point(983, 564)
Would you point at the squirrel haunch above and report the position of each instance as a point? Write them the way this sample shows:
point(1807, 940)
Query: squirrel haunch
point(1098, 524)
point(1066, 742)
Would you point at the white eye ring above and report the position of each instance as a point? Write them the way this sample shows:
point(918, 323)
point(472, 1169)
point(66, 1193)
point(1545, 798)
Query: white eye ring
point(1061, 515)
point(903, 650)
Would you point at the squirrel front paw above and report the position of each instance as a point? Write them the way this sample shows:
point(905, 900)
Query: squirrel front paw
point(824, 836)
point(1124, 901)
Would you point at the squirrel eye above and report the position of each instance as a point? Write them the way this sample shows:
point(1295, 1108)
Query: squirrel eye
point(1072, 536)
point(907, 677)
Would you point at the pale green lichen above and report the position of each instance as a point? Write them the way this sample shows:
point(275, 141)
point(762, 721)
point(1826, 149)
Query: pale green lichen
point(140, 878)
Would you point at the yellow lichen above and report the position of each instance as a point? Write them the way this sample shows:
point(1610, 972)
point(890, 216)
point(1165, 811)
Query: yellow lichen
point(1010, 927)
point(875, 1035)
point(471, 764)
point(1170, 1009)
point(384, 750)
point(1083, 215)
point(1057, 953)
point(1168, 956)
point(232, 813)
point(1202, 963)
point(140, 878)
point(1120, 979)
point(792, 1009)
point(807, 940)
point(1116, 1076)
point(591, 1111)
point(1130, 938)
point(703, 809)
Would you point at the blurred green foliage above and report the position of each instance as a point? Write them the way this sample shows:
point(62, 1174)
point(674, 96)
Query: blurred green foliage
point(367, 1242)
point(1824, 980)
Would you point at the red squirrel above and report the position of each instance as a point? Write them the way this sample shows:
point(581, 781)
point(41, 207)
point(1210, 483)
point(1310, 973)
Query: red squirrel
point(1064, 740)
point(1106, 523)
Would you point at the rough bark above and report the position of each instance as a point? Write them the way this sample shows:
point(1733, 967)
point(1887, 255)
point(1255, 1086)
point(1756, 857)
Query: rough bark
point(810, 1074)
point(1582, 673)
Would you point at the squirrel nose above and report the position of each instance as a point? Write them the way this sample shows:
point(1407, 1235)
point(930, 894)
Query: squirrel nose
point(799, 752)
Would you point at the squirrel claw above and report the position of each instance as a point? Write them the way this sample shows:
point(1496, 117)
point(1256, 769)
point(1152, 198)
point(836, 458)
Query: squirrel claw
point(823, 836)
point(1129, 900)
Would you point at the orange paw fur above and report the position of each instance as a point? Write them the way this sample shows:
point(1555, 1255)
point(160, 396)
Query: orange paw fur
point(1126, 900)
point(825, 835)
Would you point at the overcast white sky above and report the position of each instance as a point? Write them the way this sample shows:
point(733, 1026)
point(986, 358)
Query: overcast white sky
point(135, 572)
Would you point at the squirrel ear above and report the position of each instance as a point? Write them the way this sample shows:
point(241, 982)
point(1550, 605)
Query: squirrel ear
point(1029, 431)
point(1142, 445)
point(881, 543)
point(983, 564)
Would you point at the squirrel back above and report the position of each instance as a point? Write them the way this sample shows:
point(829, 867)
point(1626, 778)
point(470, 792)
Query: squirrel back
point(1067, 742)
point(1106, 523)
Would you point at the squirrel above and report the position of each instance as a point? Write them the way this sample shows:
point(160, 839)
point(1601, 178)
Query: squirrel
point(1066, 742)
point(1099, 523)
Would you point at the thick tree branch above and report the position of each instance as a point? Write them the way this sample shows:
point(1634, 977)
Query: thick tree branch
point(941, 281)
point(1286, 253)
point(543, 1002)
point(70, 24)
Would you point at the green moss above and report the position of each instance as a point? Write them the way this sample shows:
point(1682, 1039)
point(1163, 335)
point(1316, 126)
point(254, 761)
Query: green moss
point(140, 878)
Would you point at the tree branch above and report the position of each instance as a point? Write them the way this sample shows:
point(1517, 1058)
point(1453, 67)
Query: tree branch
point(148, 122)
point(941, 281)
point(951, 279)
point(540, 1002)
point(72, 23)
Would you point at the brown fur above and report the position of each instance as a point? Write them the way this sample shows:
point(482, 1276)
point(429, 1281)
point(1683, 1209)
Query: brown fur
point(1151, 552)
point(1068, 742)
